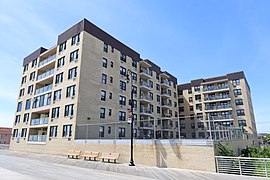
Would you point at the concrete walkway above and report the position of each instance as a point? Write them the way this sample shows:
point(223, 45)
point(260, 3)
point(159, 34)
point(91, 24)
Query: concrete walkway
point(18, 165)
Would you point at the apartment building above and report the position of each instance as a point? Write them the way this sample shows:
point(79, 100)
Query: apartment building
point(78, 89)
point(216, 105)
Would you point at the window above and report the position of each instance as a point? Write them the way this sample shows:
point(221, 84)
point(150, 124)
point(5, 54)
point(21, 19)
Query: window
point(61, 62)
point(17, 119)
point(180, 100)
point(30, 89)
point(198, 97)
point(151, 83)
point(110, 95)
point(75, 39)
point(24, 131)
point(103, 95)
point(21, 92)
point(55, 112)
point(23, 80)
point(74, 55)
point(189, 91)
point(26, 117)
point(151, 95)
point(200, 125)
point(134, 63)
point(240, 112)
point(67, 131)
point(121, 132)
point(239, 102)
point(101, 131)
point(122, 100)
point(111, 64)
point(15, 133)
point(199, 107)
point(123, 57)
point(110, 112)
point(242, 123)
point(112, 49)
point(27, 104)
point(122, 71)
point(109, 130)
point(102, 113)
point(192, 125)
point(25, 67)
point(53, 131)
point(104, 79)
point(34, 63)
point(72, 73)
point(158, 98)
point(134, 89)
point(71, 91)
point(42, 100)
point(134, 76)
point(180, 92)
point(19, 107)
point(191, 108)
point(181, 109)
point(190, 99)
point(57, 95)
point(59, 78)
point(158, 109)
point(134, 103)
point(69, 110)
point(104, 63)
point(182, 126)
point(62, 46)
point(170, 92)
point(122, 116)
point(236, 82)
point(105, 47)
point(157, 87)
point(237, 92)
point(32, 76)
point(111, 79)
point(122, 85)
point(174, 94)
point(197, 88)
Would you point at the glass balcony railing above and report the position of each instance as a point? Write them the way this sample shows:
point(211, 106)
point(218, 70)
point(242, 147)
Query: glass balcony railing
point(145, 84)
point(44, 89)
point(145, 71)
point(166, 104)
point(165, 93)
point(212, 88)
point(45, 61)
point(166, 82)
point(37, 138)
point(146, 110)
point(39, 121)
point(220, 117)
point(209, 98)
point(46, 74)
point(227, 106)
point(148, 98)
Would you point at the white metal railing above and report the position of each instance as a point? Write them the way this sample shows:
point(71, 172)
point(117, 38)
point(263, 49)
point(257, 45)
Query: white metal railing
point(165, 93)
point(143, 97)
point(45, 61)
point(145, 84)
point(165, 81)
point(39, 121)
point(37, 138)
point(145, 71)
point(208, 98)
point(43, 89)
point(225, 106)
point(43, 75)
point(243, 166)
point(145, 110)
point(212, 88)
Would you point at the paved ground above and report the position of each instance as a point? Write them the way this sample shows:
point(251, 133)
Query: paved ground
point(30, 166)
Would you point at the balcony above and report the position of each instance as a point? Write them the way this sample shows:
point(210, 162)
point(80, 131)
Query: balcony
point(46, 61)
point(166, 105)
point(215, 88)
point(218, 107)
point(145, 73)
point(146, 111)
point(145, 86)
point(211, 98)
point(147, 126)
point(165, 83)
point(146, 99)
point(221, 118)
point(39, 121)
point(37, 138)
point(45, 74)
point(165, 94)
point(44, 89)
point(166, 116)
point(167, 128)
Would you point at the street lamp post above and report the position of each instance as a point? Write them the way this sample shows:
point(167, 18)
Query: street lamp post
point(131, 162)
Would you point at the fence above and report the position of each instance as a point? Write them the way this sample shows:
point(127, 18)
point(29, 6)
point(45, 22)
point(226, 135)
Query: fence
point(243, 166)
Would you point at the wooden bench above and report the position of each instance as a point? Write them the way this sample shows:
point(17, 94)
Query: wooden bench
point(109, 156)
point(73, 154)
point(89, 155)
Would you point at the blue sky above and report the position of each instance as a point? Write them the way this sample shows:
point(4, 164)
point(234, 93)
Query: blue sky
point(190, 39)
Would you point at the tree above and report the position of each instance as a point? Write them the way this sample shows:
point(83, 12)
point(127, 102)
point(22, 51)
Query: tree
point(224, 150)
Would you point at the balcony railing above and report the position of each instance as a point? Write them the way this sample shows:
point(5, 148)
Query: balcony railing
point(44, 89)
point(45, 61)
point(146, 84)
point(220, 117)
point(165, 93)
point(166, 116)
point(37, 138)
point(145, 71)
point(166, 104)
point(146, 110)
point(166, 82)
point(148, 98)
point(209, 98)
point(212, 88)
point(39, 121)
point(43, 75)
point(227, 106)
point(167, 127)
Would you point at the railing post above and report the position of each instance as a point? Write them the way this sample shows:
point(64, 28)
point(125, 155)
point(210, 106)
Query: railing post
point(265, 166)
point(217, 164)
point(240, 169)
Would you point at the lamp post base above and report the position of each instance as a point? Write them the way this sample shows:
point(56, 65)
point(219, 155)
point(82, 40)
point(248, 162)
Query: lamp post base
point(131, 163)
